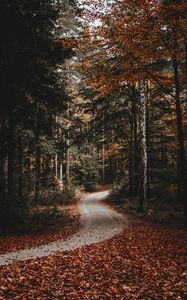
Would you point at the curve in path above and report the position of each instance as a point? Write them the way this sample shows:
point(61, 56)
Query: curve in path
point(98, 222)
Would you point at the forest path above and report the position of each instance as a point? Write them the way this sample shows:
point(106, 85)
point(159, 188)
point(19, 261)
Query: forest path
point(98, 222)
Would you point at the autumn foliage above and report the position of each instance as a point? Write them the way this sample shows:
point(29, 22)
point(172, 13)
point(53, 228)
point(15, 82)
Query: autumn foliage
point(67, 43)
point(144, 262)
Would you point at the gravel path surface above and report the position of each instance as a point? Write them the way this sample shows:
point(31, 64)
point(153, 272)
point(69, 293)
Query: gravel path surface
point(98, 223)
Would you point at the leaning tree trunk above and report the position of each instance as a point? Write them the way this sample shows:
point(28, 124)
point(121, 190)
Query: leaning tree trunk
point(144, 156)
point(182, 157)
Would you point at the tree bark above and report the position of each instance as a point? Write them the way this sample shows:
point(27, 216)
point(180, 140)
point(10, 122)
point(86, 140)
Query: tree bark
point(182, 156)
point(2, 160)
point(37, 175)
point(10, 155)
point(186, 62)
point(20, 161)
point(56, 165)
point(68, 162)
point(135, 146)
point(131, 175)
point(144, 157)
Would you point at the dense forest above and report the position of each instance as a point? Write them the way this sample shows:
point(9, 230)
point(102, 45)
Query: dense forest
point(92, 95)
point(93, 141)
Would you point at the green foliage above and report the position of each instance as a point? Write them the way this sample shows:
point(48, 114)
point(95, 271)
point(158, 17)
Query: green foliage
point(47, 219)
point(53, 197)
point(90, 186)
point(84, 166)
point(118, 194)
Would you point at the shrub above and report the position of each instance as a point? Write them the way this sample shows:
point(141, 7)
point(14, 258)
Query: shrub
point(54, 197)
point(118, 194)
point(90, 187)
point(47, 219)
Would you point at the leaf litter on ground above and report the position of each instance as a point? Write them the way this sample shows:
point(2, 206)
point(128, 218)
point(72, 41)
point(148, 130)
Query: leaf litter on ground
point(145, 262)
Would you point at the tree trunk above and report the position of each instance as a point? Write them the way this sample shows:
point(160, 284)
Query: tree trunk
point(144, 158)
point(37, 175)
point(61, 176)
point(56, 165)
point(135, 146)
point(10, 155)
point(103, 151)
point(68, 163)
point(179, 191)
point(182, 157)
point(131, 186)
point(2, 160)
point(147, 96)
point(186, 62)
point(20, 162)
point(141, 207)
point(103, 163)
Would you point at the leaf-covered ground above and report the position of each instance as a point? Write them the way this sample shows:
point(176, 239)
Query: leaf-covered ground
point(17, 242)
point(144, 262)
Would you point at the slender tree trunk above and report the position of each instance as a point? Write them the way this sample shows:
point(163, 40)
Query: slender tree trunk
point(147, 96)
point(179, 191)
point(144, 158)
point(56, 165)
point(141, 207)
point(61, 176)
point(68, 163)
point(103, 152)
point(37, 155)
point(131, 186)
point(10, 156)
point(20, 161)
point(135, 146)
point(37, 175)
point(67, 181)
point(186, 62)
point(182, 157)
point(28, 165)
point(48, 170)
point(2, 159)
point(115, 171)
point(103, 163)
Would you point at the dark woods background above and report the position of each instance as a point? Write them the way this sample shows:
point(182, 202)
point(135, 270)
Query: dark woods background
point(31, 95)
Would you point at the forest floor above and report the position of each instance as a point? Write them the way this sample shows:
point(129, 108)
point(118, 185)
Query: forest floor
point(68, 226)
point(146, 261)
point(166, 213)
point(97, 223)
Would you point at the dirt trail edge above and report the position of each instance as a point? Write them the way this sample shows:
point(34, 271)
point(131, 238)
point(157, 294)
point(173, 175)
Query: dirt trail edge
point(98, 223)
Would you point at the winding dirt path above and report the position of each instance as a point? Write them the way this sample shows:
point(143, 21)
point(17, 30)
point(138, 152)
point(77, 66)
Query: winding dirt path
point(98, 223)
